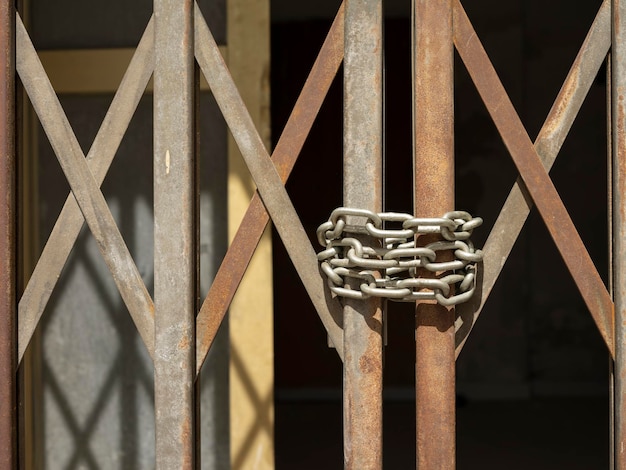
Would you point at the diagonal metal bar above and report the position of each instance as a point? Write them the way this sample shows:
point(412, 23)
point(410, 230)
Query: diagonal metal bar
point(548, 144)
point(534, 176)
point(84, 187)
point(70, 221)
point(256, 218)
point(268, 181)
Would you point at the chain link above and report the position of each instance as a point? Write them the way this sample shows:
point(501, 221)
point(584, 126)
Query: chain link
point(389, 270)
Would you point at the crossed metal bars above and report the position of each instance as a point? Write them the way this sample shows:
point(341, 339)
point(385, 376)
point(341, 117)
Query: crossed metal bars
point(172, 39)
point(175, 338)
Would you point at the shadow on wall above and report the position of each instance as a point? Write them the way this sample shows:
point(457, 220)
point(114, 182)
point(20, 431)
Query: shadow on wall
point(97, 382)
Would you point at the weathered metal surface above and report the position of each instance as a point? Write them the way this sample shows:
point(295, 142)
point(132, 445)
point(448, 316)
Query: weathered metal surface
point(534, 176)
point(362, 189)
point(68, 225)
point(174, 234)
point(8, 277)
point(609, 134)
point(195, 228)
point(433, 127)
point(347, 255)
point(85, 189)
point(548, 144)
point(256, 218)
point(268, 181)
point(618, 170)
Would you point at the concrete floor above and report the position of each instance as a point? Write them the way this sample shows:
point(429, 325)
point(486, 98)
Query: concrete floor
point(538, 434)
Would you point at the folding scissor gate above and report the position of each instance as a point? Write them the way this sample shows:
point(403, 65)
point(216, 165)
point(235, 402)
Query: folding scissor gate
point(178, 333)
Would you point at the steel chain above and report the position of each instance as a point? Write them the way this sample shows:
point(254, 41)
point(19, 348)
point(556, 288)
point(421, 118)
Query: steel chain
point(390, 269)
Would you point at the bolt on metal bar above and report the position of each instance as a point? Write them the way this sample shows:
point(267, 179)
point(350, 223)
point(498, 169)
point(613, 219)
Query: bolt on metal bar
point(70, 221)
point(535, 177)
point(618, 131)
point(433, 133)
point(256, 218)
point(174, 235)
point(8, 277)
point(548, 144)
point(362, 173)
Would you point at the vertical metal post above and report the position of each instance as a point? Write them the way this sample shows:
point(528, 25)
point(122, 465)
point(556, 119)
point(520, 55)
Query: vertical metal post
point(618, 138)
point(8, 410)
point(362, 319)
point(609, 138)
point(433, 122)
point(196, 255)
point(174, 234)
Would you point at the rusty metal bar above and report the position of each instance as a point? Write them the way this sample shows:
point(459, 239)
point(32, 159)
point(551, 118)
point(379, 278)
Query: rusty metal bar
point(433, 131)
point(610, 160)
point(618, 131)
point(70, 221)
point(362, 189)
point(256, 218)
point(84, 187)
point(536, 179)
point(548, 144)
point(174, 234)
point(8, 276)
point(267, 179)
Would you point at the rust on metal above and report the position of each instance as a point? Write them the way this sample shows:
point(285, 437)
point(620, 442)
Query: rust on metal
point(269, 183)
point(609, 147)
point(610, 159)
point(70, 221)
point(548, 144)
point(175, 244)
point(362, 189)
point(534, 176)
point(433, 127)
point(8, 277)
point(618, 170)
point(84, 187)
point(256, 218)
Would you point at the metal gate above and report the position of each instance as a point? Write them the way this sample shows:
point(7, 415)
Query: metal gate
point(178, 343)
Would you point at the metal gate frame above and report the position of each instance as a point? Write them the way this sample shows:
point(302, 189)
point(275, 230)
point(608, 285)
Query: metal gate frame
point(179, 344)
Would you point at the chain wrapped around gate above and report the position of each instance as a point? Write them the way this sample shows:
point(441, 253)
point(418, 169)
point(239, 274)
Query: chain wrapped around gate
point(390, 270)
